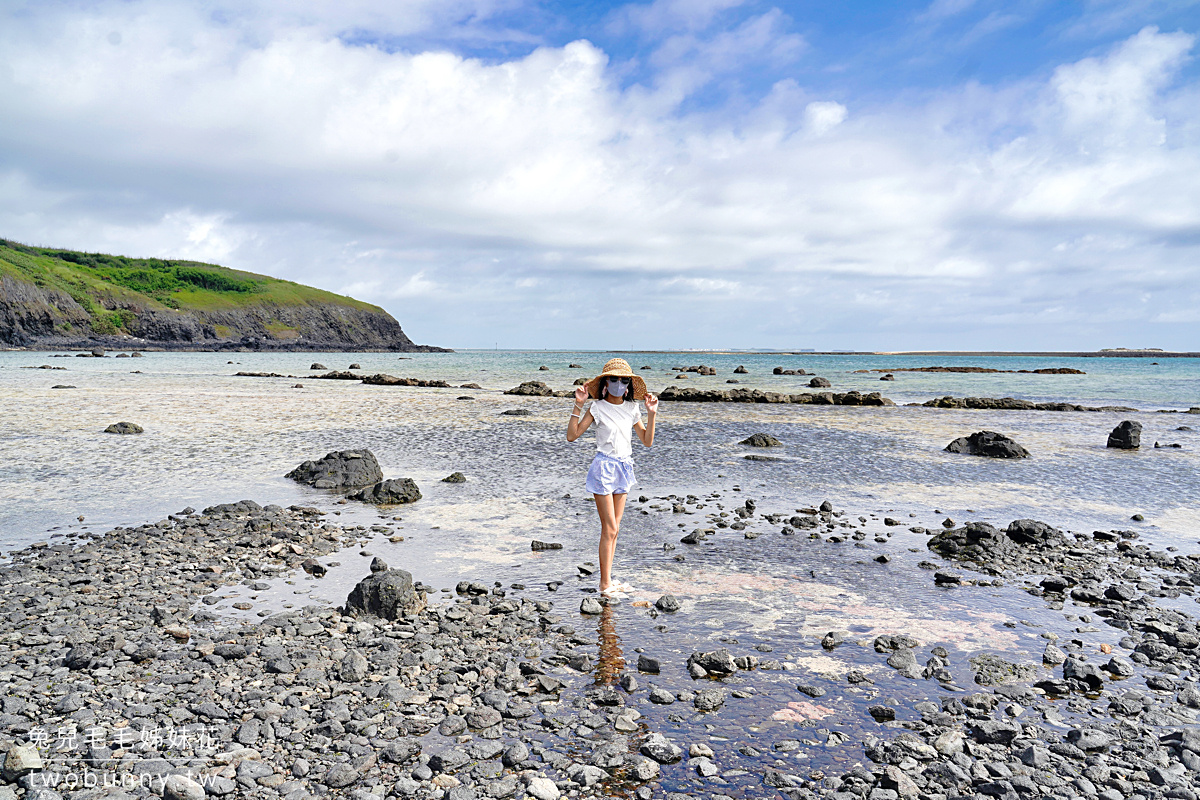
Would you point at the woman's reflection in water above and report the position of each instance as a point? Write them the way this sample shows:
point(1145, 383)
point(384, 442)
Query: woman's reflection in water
point(612, 662)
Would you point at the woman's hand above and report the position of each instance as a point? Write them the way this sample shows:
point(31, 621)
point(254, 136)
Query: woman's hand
point(651, 403)
point(581, 395)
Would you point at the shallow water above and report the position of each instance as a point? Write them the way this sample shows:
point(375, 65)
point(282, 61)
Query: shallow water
point(211, 437)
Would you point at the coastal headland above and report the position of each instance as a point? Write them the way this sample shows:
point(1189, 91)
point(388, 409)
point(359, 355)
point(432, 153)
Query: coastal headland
point(54, 299)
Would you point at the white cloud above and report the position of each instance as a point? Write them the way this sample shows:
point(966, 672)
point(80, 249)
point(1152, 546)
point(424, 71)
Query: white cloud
point(415, 286)
point(820, 117)
point(450, 189)
point(1111, 101)
point(702, 285)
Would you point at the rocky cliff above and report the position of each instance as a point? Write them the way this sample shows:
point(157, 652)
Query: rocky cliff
point(56, 299)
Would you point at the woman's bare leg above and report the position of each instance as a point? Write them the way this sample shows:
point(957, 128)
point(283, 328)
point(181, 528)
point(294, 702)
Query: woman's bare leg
point(619, 507)
point(610, 507)
point(618, 501)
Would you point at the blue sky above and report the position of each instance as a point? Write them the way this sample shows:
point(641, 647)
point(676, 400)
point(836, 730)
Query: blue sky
point(955, 174)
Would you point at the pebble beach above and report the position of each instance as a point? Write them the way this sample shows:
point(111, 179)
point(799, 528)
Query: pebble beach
point(848, 613)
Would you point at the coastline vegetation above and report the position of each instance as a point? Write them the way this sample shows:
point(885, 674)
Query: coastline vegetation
point(113, 288)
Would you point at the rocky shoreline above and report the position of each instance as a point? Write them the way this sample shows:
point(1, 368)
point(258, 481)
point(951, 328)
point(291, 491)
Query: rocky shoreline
point(114, 665)
point(246, 344)
point(980, 370)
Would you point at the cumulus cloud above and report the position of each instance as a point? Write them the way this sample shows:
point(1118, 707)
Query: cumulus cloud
point(471, 195)
point(822, 117)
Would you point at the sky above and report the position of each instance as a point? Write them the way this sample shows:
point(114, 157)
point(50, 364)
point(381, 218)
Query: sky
point(674, 174)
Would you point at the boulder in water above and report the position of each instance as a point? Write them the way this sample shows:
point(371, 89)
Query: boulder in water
point(339, 468)
point(989, 444)
point(1126, 436)
point(819, 383)
point(389, 493)
point(455, 477)
point(532, 389)
point(761, 440)
point(124, 428)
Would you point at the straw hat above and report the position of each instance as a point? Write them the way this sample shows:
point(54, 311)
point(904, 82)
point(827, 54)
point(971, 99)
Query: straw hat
point(617, 368)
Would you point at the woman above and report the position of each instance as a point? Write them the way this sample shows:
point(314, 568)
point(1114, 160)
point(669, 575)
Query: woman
point(616, 391)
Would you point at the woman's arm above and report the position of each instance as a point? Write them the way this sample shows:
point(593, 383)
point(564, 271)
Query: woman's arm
point(646, 432)
point(580, 420)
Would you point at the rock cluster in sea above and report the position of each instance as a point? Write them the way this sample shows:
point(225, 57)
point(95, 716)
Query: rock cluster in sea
point(852, 398)
point(339, 469)
point(358, 468)
point(378, 379)
point(1012, 404)
point(537, 389)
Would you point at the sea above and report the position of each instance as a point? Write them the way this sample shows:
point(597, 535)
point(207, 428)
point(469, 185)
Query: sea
point(213, 437)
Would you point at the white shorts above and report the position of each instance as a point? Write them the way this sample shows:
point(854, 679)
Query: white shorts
point(609, 475)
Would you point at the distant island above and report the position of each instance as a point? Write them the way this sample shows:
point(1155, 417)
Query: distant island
point(64, 299)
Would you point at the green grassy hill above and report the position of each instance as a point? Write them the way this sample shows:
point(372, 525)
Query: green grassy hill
point(53, 294)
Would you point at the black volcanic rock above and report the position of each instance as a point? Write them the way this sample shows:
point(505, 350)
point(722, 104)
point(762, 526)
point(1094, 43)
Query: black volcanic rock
point(338, 469)
point(1012, 404)
point(383, 379)
point(1126, 436)
point(1023, 542)
point(989, 444)
point(389, 492)
point(688, 394)
point(532, 389)
point(388, 594)
point(761, 440)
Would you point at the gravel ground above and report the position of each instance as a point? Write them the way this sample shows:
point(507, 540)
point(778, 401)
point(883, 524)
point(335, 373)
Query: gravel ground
point(118, 681)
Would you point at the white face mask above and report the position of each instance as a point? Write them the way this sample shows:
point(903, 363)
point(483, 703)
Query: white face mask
point(615, 388)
